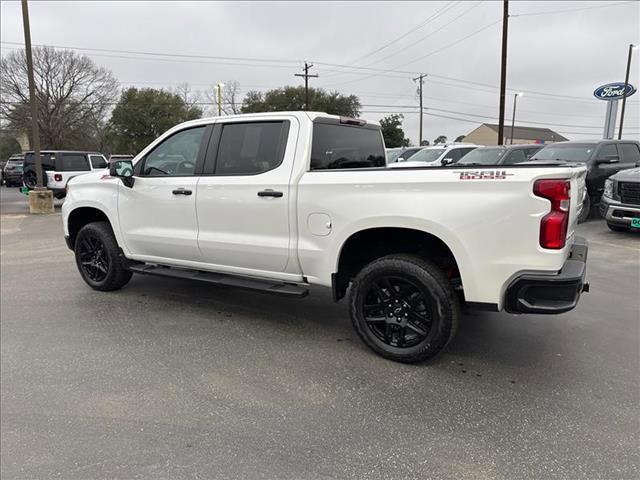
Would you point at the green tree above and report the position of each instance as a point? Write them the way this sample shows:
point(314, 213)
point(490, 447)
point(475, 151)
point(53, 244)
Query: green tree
point(8, 145)
point(392, 131)
point(440, 139)
point(142, 115)
point(293, 98)
point(424, 143)
point(460, 138)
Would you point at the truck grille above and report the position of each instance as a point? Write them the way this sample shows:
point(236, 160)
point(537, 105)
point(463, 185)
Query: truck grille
point(629, 192)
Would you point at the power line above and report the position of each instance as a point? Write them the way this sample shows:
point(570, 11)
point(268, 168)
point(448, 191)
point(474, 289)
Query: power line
point(429, 34)
point(423, 56)
point(448, 6)
point(553, 12)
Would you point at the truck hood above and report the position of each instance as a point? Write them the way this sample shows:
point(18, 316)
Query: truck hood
point(92, 177)
point(631, 175)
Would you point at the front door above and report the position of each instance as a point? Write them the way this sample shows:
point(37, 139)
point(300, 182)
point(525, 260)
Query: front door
point(158, 214)
point(244, 198)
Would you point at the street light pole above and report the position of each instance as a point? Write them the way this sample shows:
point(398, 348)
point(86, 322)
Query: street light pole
point(219, 89)
point(32, 95)
point(513, 117)
point(626, 83)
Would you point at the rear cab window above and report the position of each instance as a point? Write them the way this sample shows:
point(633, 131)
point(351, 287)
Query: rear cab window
point(338, 145)
point(47, 158)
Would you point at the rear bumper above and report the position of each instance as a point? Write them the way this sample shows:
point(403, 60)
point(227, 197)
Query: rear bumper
point(551, 294)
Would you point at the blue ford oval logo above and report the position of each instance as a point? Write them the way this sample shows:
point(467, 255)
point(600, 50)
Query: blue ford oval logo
point(613, 91)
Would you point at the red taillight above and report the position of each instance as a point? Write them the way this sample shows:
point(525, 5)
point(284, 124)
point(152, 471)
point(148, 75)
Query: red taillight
point(553, 226)
point(57, 177)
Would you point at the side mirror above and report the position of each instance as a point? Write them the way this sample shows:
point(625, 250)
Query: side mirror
point(608, 159)
point(447, 161)
point(399, 159)
point(123, 169)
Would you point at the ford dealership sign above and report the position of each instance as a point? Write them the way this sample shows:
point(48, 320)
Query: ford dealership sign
point(613, 91)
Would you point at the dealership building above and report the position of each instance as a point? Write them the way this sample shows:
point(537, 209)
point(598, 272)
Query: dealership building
point(487, 134)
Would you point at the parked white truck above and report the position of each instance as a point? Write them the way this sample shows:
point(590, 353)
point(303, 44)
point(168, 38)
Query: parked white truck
point(280, 201)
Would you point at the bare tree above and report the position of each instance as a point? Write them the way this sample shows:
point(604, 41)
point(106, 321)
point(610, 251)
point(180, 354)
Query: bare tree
point(191, 98)
point(231, 100)
point(73, 96)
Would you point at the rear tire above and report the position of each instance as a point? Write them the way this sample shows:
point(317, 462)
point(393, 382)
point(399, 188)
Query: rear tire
point(586, 209)
point(617, 228)
point(404, 308)
point(98, 258)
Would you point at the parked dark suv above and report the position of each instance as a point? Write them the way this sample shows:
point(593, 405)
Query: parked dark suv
point(603, 158)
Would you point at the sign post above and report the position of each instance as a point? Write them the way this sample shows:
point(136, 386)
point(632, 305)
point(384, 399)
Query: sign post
point(611, 93)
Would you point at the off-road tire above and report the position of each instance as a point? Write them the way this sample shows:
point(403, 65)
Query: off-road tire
point(431, 280)
point(117, 275)
point(29, 177)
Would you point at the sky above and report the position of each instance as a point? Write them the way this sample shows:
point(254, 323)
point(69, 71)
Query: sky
point(558, 53)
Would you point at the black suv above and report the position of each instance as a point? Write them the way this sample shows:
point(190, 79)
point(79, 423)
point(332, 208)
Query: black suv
point(602, 157)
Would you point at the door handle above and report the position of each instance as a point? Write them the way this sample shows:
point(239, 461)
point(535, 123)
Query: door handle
point(270, 193)
point(182, 191)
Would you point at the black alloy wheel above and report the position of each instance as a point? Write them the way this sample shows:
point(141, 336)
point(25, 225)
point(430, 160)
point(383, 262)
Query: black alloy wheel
point(93, 258)
point(397, 311)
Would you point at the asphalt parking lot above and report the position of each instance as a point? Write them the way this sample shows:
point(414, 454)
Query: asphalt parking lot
point(173, 379)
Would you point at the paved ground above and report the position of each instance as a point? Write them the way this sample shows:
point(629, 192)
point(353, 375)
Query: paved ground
point(172, 379)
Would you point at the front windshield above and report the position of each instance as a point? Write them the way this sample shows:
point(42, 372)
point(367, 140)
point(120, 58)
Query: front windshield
point(483, 156)
point(427, 155)
point(572, 152)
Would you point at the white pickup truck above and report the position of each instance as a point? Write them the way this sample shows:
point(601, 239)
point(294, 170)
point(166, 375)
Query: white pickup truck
point(280, 201)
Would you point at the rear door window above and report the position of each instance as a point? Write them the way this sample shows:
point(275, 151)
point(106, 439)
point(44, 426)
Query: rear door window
point(251, 148)
point(74, 162)
point(630, 153)
point(345, 146)
point(454, 154)
point(608, 150)
point(98, 161)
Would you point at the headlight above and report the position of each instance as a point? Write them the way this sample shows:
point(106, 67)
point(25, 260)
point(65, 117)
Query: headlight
point(608, 188)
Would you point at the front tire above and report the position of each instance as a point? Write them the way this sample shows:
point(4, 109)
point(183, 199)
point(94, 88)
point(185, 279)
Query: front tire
point(98, 258)
point(403, 308)
point(616, 228)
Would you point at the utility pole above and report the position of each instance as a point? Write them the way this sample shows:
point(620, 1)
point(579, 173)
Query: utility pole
point(420, 80)
point(626, 83)
point(40, 199)
point(219, 97)
point(513, 118)
point(503, 71)
point(32, 95)
point(306, 76)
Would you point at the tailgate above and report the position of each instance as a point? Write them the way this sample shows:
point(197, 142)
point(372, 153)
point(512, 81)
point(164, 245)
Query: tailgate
point(578, 192)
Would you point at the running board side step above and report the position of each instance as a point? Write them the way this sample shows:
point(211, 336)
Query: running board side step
point(287, 289)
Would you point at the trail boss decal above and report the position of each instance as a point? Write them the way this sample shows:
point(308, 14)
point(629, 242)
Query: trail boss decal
point(483, 174)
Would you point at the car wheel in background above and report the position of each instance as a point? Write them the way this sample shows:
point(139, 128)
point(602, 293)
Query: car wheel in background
point(404, 308)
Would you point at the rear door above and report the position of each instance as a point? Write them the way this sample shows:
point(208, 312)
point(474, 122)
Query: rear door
point(244, 196)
